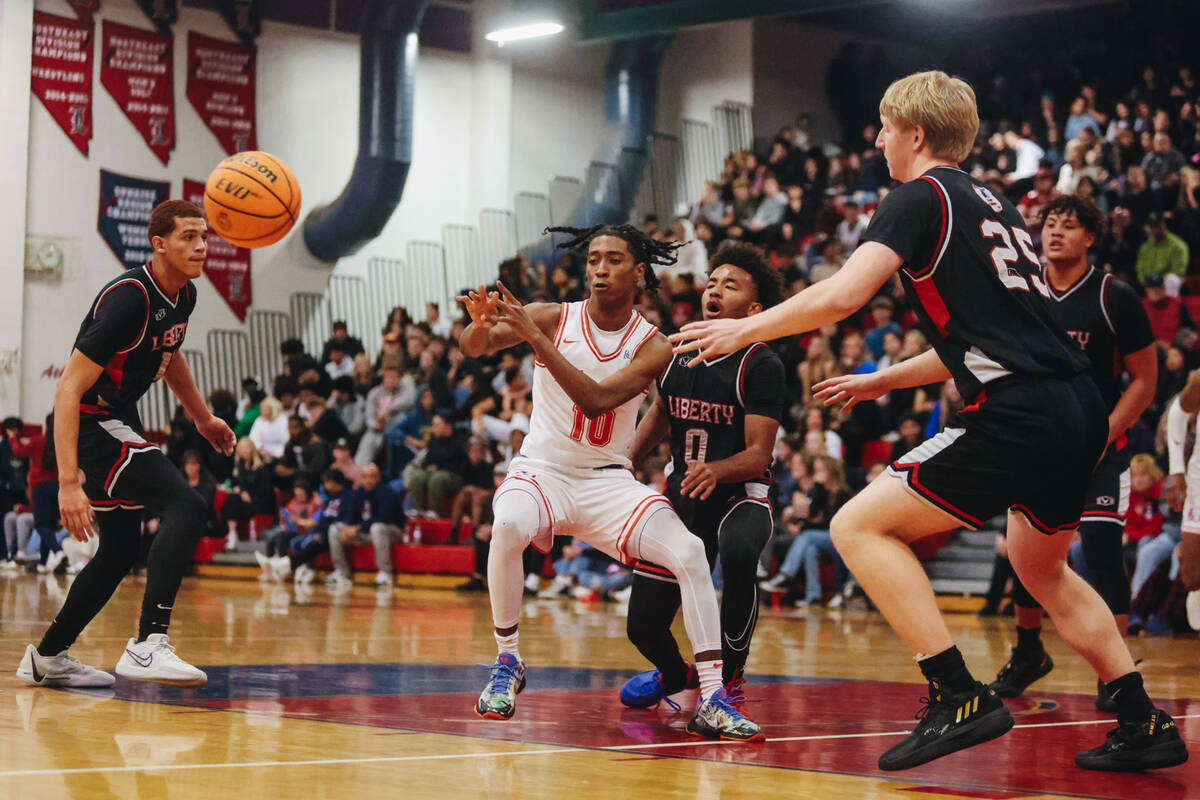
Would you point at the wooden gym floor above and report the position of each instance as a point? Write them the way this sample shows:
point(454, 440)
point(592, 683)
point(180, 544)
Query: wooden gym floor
point(315, 695)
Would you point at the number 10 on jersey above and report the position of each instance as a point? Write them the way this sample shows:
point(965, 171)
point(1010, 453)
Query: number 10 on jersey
point(599, 430)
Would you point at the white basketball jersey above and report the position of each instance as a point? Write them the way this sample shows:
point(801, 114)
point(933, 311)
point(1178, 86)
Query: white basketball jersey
point(559, 433)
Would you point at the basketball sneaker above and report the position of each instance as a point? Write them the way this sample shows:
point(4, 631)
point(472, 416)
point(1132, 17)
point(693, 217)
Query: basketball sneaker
point(60, 670)
point(154, 660)
point(1136, 746)
point(1021, 670)
point(719, 718)
point(646, 689)
point(499, 698)
point(948, 723)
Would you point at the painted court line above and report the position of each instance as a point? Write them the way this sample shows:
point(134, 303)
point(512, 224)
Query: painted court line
point(26, 773)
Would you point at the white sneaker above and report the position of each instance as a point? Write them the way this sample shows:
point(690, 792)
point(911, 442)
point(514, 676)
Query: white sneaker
point(777, 584)
point(835, 601)
point(282, 567)
point(305, 574)
point(154, 660)
point(265, 565)
point(60, 670)
point(336, 577)
point(54, 561)
point(231, 541)
point(532, 583)
point(561, 587)
point(383, 578)
point(621, 595)
point(1193, 609)
point(8, 564)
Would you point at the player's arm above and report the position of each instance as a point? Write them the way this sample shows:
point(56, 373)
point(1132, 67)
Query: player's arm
point(753, 462)
point(920, 370)
point(80, 375)
point(1177, 425)
point(1142, 367)
point(179, 377)
point(591, 397)
point(488, 334)
point(823, 303)
point(652, 429)
point(1189, 398)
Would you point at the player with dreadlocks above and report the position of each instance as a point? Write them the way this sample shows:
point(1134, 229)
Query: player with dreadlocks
point(721, 418)
point(594, 360)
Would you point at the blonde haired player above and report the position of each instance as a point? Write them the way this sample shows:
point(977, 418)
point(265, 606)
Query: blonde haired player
point(1033, 428)
point(595, 360)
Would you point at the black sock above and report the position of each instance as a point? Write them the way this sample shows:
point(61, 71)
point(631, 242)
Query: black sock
point(1133, 704)
point(1029, 640)
point(949, 670)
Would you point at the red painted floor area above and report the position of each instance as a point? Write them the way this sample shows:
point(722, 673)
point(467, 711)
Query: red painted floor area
point(1028, 760)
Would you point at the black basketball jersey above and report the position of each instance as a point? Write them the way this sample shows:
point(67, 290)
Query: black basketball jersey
point(707, 405)
point(132, 330)
point(1105, 318)
point(974, 280)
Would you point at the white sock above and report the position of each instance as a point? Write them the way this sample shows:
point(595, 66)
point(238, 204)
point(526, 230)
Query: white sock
point(709, 673)
point(508, 644)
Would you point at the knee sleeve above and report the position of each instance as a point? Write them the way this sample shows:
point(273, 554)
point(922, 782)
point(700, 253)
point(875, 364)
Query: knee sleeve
point(665, 541)
point(742, 538)
point(1104, 555)
point(1021, 596)
point(517, 520)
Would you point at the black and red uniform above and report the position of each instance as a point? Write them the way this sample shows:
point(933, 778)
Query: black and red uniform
point(1035, 424)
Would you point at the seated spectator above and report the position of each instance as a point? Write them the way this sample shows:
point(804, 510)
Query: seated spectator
point(438, 325)
point(1028, 156)
point(249, 386)
point(818, 365)
point(365, 377)
point(817, 420)
point(340, 364)
point(429, 373)
point(297, 518)
point(269, 433)
point(831, 261)
point(345, 463)
point(407, 438)
point(586, 573)
point(1168, 315)
point(809, 516)
point(340, 338)
point(337, 502)
point(769, 213)
point(350, 406)
point(251, 492)
point(1162, 163)
point(481, 541)
point(305, 456)
point(202, 482)
point(324, 421)
point(893, 343)
point(912, 433)
point(253, 411)
point(882, 309)
point(1163, 254)
point(1033, 201)
point(374, 518)
point(851, 228)
point(1144, 519)
point(692, 257)
point(437, 476)
point(475, 497)
point(855, 358)
point(386, 404)
point(42, 478)
point(18, 526)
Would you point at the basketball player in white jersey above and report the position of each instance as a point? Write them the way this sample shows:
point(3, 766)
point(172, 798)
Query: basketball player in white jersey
point(594, 361)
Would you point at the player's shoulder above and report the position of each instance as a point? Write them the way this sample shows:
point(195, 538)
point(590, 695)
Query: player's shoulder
point(761, 353)
point(1116, 293)
point(128, 288)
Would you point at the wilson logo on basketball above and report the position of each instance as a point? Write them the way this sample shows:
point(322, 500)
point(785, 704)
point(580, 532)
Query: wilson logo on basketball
point(254, 163)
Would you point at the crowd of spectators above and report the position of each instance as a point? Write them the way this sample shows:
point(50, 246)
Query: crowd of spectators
point(343, 451)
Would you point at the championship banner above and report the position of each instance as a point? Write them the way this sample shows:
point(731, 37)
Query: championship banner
point(136, 69)
point(61, 72)
point(84, 9)
point(220, 86)
point(227, 266)
point(125, 206)
point(162, 13)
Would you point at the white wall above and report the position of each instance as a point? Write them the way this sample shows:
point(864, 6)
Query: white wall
point(702, 68)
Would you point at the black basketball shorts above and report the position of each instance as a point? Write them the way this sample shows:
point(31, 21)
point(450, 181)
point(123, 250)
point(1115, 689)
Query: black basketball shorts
point(111, 449)
point(1030, 445)
point(1107, 498)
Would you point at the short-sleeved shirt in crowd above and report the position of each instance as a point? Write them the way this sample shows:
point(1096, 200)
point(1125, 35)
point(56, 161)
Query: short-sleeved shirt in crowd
point(972, 276)
point(132, 330)
point(1105, 318)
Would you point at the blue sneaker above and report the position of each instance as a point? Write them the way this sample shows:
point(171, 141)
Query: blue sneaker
point(499, 698)
point(719, 718)
point(645, 690)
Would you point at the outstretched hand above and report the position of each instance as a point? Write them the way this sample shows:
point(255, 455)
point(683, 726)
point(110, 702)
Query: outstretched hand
point(515, 315)
point(481, 306)
point(711, 337)
point(853, 389)
point(218, 434)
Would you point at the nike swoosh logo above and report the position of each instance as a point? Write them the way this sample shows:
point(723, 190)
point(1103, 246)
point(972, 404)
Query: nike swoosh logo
point(33, 665)
point(164, 608)
point(570, 341)
point(140, 661)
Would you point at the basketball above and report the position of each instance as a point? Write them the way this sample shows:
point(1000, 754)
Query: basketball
point(252, 199)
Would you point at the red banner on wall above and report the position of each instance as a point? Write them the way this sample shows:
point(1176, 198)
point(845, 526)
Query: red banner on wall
point(220, 86)
point(228, 266)
point(85, 9)
point(62, 73)
point(136, 69)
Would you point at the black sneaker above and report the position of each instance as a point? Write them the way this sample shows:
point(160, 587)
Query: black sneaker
point(1021, 670)
point(1104, 700)
point(1137, 746)
point(475, 584)
point(949, 723)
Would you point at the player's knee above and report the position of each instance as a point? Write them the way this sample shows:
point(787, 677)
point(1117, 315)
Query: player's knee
point(639, 629)
point(844, 533)
point(739, 555)
point(512, 533)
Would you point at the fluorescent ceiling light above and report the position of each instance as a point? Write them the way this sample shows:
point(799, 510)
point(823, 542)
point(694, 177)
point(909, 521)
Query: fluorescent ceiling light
point(519, 32)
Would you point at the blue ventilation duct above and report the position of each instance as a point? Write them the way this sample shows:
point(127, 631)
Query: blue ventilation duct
point(385, 124)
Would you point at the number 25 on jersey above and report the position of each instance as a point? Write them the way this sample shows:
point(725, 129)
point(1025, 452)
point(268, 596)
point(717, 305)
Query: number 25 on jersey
point(1004, 255)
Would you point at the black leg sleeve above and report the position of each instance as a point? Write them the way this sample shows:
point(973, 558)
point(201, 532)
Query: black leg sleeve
point(740, 541)
point(1103, 552)
point(120, 535)
point(653, 604)
point(1021, 596)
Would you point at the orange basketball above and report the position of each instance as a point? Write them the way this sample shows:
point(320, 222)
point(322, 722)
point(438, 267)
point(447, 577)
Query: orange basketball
point(252, 199)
